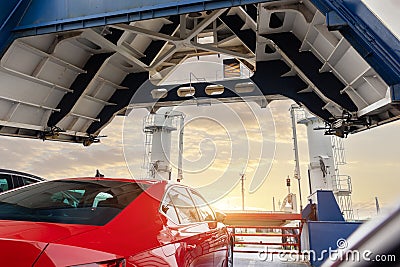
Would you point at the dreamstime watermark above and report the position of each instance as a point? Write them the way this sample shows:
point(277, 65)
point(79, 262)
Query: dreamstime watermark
point(338, 254)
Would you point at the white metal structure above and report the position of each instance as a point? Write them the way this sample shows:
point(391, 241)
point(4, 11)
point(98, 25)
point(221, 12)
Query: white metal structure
point(158, 127)
point(297, 175)
point(342, 186)
point(68, 86)
point(322, 165)
point(326, 153)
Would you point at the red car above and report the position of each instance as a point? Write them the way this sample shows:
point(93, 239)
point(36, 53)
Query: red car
point(110, 222)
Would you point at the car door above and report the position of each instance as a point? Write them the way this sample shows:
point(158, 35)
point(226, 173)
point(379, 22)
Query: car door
point(191, 234)
point(217, 237)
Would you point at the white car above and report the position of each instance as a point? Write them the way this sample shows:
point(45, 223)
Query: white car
point(10, 179)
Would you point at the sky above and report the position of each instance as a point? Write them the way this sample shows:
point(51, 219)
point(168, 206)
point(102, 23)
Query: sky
point(387, 11)
point(219, 147)
point(372, 158)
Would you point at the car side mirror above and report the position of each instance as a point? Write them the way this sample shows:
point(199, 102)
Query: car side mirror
point(220, 216)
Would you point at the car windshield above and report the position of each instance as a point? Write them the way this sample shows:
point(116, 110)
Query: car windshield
point(90, 202)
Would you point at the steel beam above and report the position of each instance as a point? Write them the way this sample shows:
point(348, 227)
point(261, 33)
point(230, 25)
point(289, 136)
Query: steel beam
point(310, 65)
point(78, 86)
point(51, 57)
point(269, 78)
point(26, 103)
point(122, 97)
point(19, 18)
point(36, 80)
point(247, 36)
point(45, 16)
point(366, 33)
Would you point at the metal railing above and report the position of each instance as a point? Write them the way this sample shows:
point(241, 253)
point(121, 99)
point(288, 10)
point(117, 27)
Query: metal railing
point(342, 183)
point(248, 238)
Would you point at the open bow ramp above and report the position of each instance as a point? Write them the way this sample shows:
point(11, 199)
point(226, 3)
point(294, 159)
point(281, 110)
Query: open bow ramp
point(68, 67)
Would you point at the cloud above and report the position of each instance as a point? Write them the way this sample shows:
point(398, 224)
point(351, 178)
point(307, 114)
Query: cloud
point(235, 138)
point(366, 210)
point(51, 159)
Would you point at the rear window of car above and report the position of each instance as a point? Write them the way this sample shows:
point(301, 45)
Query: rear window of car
point(94, 202)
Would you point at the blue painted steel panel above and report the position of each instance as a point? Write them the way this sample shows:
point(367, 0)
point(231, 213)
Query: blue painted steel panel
point(325, 235)
point(46, 16)
point(6, 10)
point(395, 92)
point(334, 21)
point(11, 12)
point(327, 207)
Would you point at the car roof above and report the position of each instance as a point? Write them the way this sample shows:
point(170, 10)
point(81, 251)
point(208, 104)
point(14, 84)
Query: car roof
point(166, 183)
point(6, 171)
point(143, 181)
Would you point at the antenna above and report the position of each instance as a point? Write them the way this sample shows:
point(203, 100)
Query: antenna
point(242, 178)
point(296, 151)
point(378, 209)
point(98, 174)
point(273, 203)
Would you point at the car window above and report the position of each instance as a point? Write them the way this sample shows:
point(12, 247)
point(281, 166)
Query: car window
point(92, 202)
point(17, 180)
point(27, 181)
point(205, 212)
point(67, 198)
point(168, 208)
point(4, 183)
point(184, 205)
